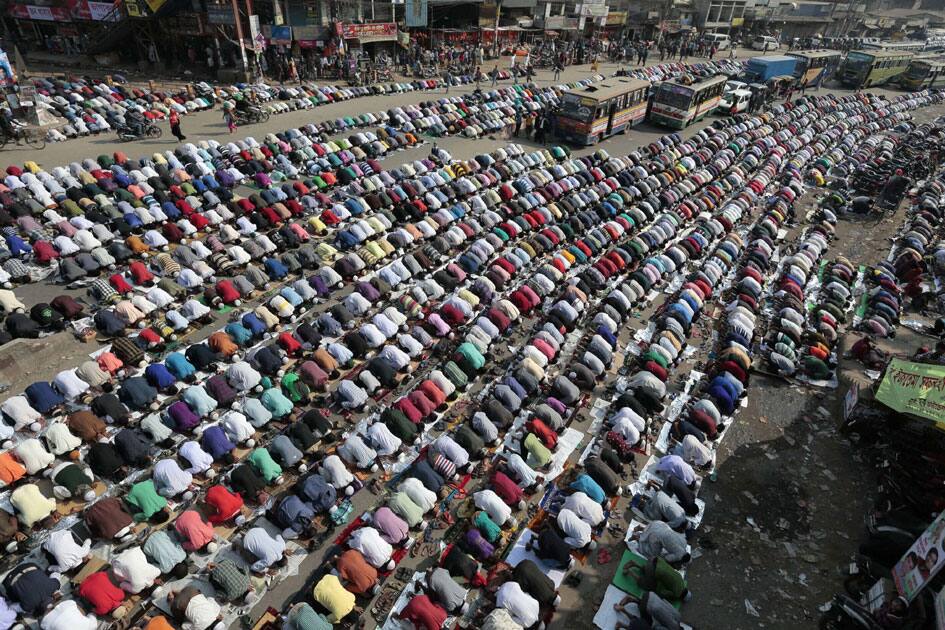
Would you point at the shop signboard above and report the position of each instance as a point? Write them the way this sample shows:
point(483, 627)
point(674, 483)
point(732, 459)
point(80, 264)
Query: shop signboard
point(42, 14)
point(133, 8)
point(416, 12)
point(310, 36)
point(281, 35)
point(923, 560)
point(593, 10)
point(616, 18)
point(155, 5)
point(916, 388)
point(102, 11)
point(373, 32)
point(220, 14)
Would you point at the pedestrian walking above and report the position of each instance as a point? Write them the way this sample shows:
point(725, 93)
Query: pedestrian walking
point(494, 74)
point(712, 51)
point(229, 119)
point(557, 70)
point(174, 119)
point(447, 79)
point(518, 121)
point(731, 52)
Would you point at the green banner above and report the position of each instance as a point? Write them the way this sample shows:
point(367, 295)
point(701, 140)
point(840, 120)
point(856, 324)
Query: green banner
point(916, 388)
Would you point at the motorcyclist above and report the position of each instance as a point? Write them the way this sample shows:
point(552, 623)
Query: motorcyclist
point(135, 122)
point(895, 187)
point(6, 124)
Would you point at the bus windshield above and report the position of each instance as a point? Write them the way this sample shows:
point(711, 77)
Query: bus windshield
point(918, 70)
point(858, 61)
point(573, 107)
point(801, 67)
point(678, 96)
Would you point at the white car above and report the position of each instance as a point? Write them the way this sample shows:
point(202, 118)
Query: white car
point(764, 43)
point(733, 102)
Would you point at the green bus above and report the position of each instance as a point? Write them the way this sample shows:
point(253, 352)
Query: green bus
point(867, 68)
point(678, 104)
point(923, 73)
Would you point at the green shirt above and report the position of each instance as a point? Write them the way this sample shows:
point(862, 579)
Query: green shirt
point(537, 450)
point(670, 584)
point(265, 465)
point(487, 527)
point(145, 499)
point(276, 402)
point(304, 617)
point(404, 506)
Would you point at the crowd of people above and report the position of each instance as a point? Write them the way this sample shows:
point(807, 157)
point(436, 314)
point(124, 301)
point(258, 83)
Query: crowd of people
point(444, 320)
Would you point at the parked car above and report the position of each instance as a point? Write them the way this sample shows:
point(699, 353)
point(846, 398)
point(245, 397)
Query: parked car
point(721, 40)
point(764, 43)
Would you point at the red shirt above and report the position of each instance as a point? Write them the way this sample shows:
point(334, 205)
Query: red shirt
point(508, 490)
point(541, 430)
point(98, 590)
point(424, 614)
point(225, 504)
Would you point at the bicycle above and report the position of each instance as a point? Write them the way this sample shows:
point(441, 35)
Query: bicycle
point(35, 138)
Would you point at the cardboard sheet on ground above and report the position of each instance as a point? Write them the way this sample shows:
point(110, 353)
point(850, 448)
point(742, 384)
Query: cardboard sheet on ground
point(606, 617)
point(520, 553)
point(568, 441)
point(393, 623)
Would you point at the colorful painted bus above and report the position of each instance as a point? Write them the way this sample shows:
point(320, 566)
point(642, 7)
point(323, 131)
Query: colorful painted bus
point(590, 114)
point(814, 66)
point(678, 105)
point(866, 68)
point(923, 73)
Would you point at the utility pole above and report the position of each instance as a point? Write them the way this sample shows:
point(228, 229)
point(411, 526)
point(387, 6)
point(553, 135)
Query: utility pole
point(239, 36)
point(495, 30)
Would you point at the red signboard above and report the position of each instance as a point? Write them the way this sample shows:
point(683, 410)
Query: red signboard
point(377, 32)
point(45, 14)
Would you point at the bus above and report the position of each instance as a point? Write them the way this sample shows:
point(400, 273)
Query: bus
point(814, 66)
point(590, 114)
point(677, 105)
point(904, 46)
point(866, 68)
point(922, 73)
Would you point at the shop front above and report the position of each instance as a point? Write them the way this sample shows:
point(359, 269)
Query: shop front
point(372, 39)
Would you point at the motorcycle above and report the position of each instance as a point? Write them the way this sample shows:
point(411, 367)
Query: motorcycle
point(250, 116)
point(845, 612)
point(127, 134)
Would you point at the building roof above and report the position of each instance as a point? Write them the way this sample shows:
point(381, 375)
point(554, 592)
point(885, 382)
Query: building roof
point(909, 13)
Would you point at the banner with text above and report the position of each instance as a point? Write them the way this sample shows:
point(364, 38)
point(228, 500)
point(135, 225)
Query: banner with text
point(923, 560)
point(371, 32)
point(916, 388)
